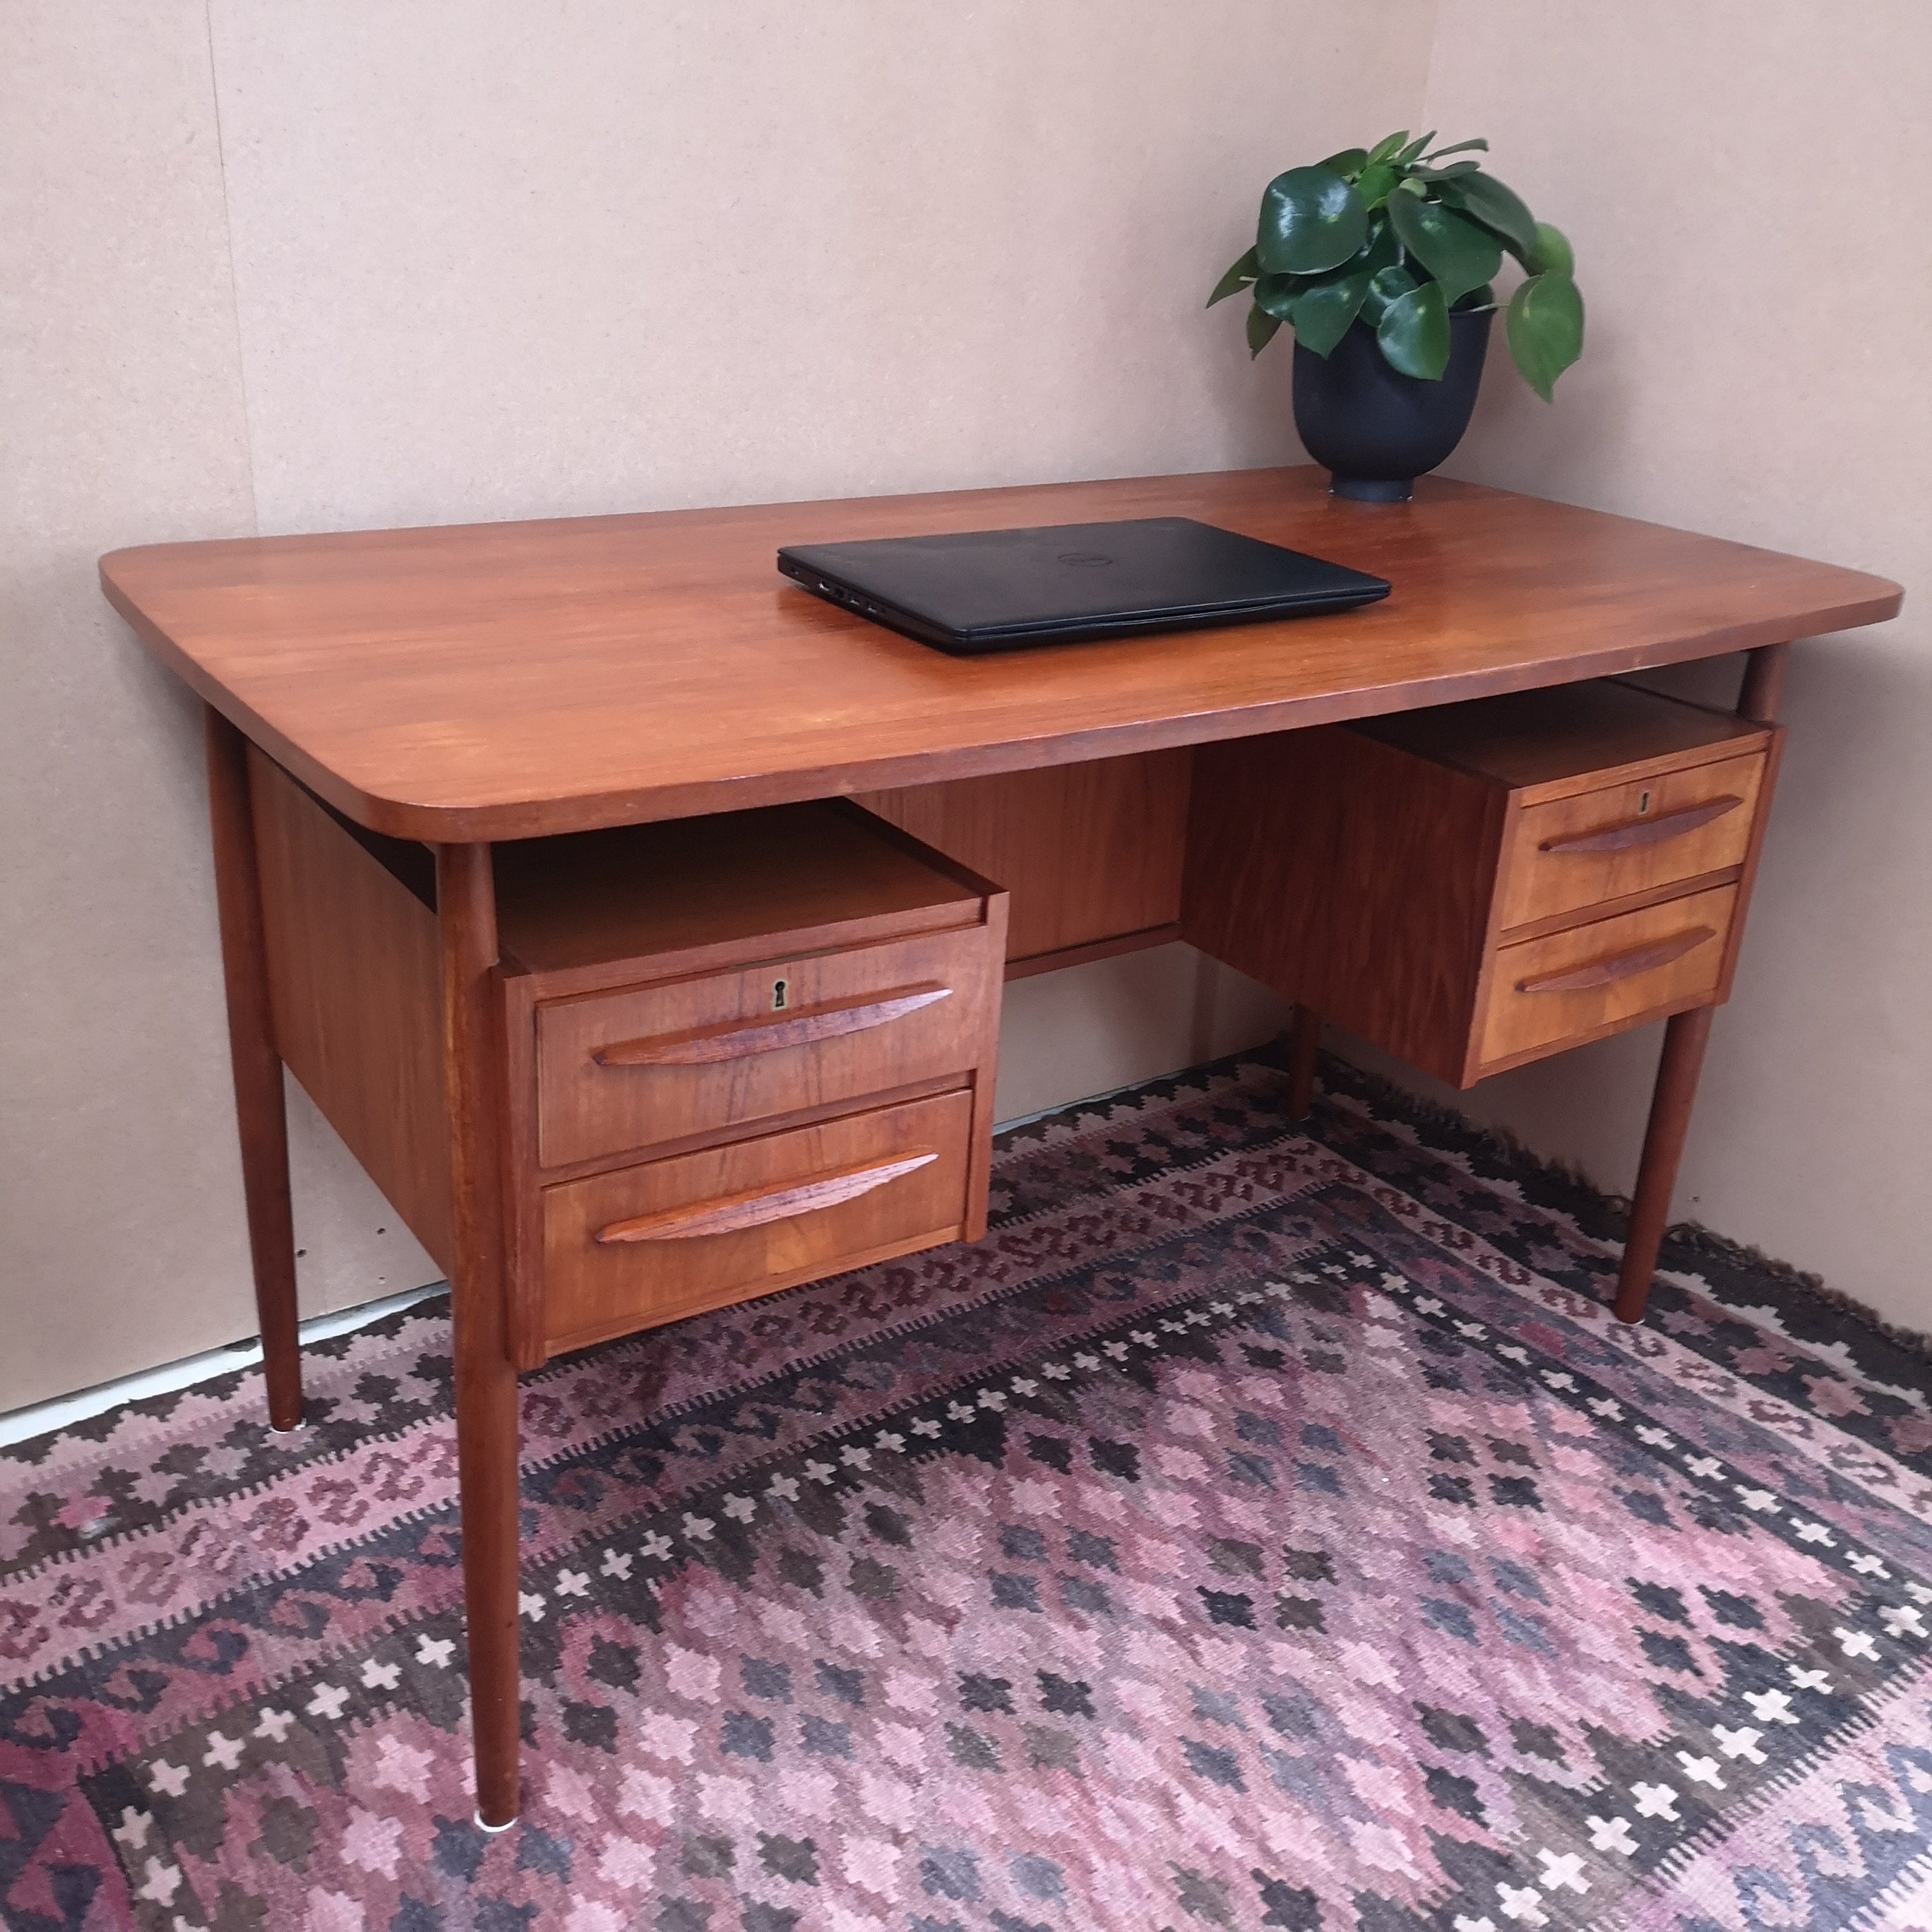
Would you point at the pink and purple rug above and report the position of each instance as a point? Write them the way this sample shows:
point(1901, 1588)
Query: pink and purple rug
point(1262, 1527)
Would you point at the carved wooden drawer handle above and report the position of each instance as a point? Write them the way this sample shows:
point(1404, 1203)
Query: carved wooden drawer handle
point(800, 1027)
point(1619, 965)
point(730, 1212)
point(1644, 831)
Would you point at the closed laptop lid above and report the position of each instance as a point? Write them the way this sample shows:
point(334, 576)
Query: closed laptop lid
point(1073, 580)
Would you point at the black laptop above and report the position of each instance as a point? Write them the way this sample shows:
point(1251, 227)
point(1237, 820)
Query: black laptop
point(996, 590)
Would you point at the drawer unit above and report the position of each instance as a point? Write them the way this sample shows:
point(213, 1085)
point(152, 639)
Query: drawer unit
point(646, 1244)
point(624, 1070)
point(743, 1051)
point(738, 1051)
point(1480, 885)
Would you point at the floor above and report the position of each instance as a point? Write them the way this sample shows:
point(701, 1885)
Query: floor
point(1266, 1526)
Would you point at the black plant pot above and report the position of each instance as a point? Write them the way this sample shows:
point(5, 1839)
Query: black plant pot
point(1376, 429)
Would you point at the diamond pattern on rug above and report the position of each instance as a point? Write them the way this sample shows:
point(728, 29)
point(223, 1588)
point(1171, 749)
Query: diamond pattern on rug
point(1264, 1527)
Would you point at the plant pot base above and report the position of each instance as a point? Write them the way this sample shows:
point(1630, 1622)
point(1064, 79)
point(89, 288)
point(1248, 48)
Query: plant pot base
point(1375, 429)
point(1372, 489)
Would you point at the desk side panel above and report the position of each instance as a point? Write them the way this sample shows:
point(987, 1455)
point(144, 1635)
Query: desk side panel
point(1350, 877)
point(354, 984)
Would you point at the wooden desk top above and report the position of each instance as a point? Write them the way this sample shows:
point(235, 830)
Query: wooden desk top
point(505, 680)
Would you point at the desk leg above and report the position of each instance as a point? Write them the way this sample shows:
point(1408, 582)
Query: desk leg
point(1684, 1036)
point(486, 1382)
point(1763, 683)
point(260, 1111)
point(1304, 1043)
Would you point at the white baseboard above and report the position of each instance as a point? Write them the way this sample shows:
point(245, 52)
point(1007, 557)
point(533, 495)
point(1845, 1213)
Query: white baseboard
point(18, 1425)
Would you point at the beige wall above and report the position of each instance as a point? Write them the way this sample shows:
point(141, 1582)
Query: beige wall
point(275, 267)
point(1757, 270)
point(279, 267)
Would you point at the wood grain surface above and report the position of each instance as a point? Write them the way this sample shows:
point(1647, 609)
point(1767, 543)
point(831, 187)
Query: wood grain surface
point(569, 905)
point(499, 681)
point(1585, 981)
point(597, 1096)
point(758, 1206)
point(599, 1280)
point(356, 977)
point(1354, 878)
point(1594, 847)
point(1090, 854)
point(1550, 744)
point(261, 1111)
point(485, 1377)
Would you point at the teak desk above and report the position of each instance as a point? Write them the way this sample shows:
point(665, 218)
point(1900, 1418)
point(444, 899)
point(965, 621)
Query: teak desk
point(418, 698)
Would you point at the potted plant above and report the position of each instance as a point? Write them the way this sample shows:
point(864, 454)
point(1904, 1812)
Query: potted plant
point(1381, 261)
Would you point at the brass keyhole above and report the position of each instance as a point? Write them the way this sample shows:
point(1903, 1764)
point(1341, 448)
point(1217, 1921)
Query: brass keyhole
point(1643, 803)
point(781, 992)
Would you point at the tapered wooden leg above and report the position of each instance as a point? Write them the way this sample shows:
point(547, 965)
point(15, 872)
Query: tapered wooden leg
point(1763, 683)
point(260, 1111)
point(1304, 1043)
point(486, 1382)
point(1684, 1036)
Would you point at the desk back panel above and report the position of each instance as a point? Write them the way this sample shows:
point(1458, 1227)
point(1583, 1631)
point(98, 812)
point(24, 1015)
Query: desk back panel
point(1091, 854)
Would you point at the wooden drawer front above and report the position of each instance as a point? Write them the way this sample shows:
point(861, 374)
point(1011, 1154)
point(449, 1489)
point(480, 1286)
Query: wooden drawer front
point(1571, 986)
point(1585, 851)
point(649, 1244)
point(616, 1071)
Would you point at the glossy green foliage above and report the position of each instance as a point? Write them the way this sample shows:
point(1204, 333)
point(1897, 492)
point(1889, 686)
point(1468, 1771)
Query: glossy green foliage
point(1457, 254)
point(1414, 332)
point(1321, 314)
point(1396, 237)
point(1545, 325)
point(1311, 220)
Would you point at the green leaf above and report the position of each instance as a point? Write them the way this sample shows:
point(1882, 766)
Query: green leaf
point(1261, 327)
point(1499, 209)
point(1311, 220)
point(1459, 254)
point(1545, 327)
point(1373, 184)
point(1385, 285)
point(1552, 254)
point(1381, 250)
point(1247, 270)
point(1414, 148)
point(1386, 146)
point(1277, 295)
point(1457, 147)
point(1322, 314)
point(1455, 171)
point(1414, 333)
point(1351, 162)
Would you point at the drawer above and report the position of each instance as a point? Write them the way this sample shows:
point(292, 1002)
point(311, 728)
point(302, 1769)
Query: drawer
point(649, 1244)
point(1594, 847)
point(1572, 986)
point(693, 1056)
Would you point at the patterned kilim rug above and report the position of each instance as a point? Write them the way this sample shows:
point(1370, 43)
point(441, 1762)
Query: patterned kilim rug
point(1261, 1529)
